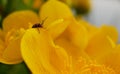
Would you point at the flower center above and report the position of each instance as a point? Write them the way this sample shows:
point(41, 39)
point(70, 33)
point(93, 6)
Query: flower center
point(82, 66)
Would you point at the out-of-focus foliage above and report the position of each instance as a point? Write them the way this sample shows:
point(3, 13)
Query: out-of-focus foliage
point(14, 69)
point(13, 5)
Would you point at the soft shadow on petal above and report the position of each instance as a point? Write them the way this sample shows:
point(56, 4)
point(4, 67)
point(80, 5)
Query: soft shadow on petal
point(70, 48)
point(40, 53)
point(20, 19)
point(53, 10)
point(74, 39)
point(59, 58)
point(77, 34)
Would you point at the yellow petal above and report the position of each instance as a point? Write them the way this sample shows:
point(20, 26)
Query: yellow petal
point(90, 28)
point(111, 31)
point(39, 52)
point(70, 48)
point(53, 10)
point(77, 34)
point(2, 45)
point(19, 19)
point(1, 34)
point(11, 53)
point(113, 59)
point(59, 58)
point(100, 44)
point(57, 27)
point(74, 40)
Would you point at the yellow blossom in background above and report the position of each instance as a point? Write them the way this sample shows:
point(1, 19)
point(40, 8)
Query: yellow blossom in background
point(10, 47)
point(81, 6)
point(63, 45)
point(12, 33)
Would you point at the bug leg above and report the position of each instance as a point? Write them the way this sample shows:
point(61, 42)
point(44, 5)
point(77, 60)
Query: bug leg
point(38, 30)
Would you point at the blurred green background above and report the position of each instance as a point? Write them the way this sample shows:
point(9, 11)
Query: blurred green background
point(14, 69)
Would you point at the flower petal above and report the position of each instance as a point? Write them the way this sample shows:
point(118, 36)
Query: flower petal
point(111, 31)
point(77, 34)
point(40, 53)
point(112, 59)
point(90, 28)
point(100, 44)
point(1, 34)
point(59, 58)
point(1, 47)
point(72, 50)
point(53, 10)
point(20, 19)
point(11, 54)
point(57, 27)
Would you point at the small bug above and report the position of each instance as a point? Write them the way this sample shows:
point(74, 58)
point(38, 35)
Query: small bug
point(39, 25)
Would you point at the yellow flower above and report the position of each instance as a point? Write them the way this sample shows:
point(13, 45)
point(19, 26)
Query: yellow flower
point(10, 47)
point(62, 46)
point(61, 55)
point(44, 57)
point(14, 27)
point(12, 33)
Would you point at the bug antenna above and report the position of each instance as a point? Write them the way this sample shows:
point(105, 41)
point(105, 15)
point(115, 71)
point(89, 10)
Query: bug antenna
point(44, 21)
